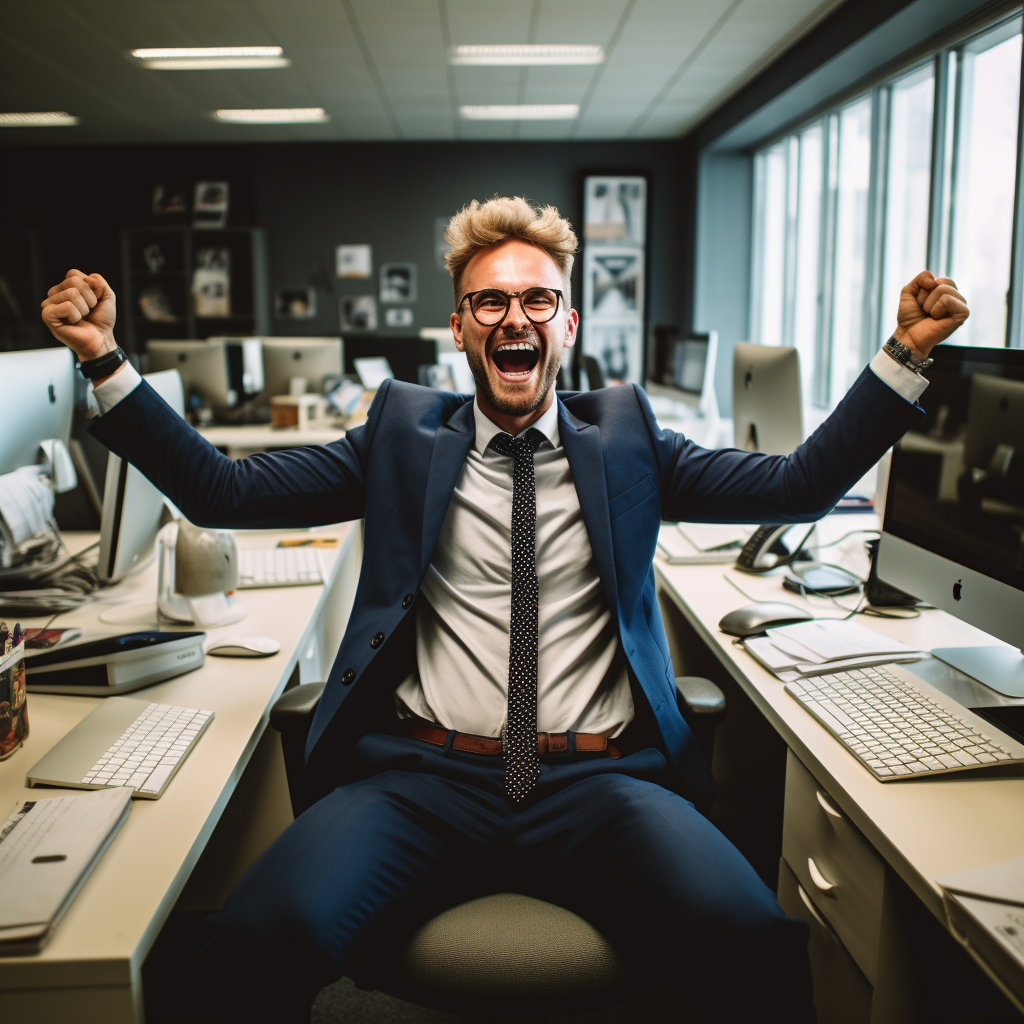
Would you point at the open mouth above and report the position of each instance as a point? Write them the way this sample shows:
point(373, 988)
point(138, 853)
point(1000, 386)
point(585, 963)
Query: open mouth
point(515, 360)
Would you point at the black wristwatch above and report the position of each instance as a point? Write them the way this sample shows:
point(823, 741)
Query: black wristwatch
point(905, 357)
point(104, 365)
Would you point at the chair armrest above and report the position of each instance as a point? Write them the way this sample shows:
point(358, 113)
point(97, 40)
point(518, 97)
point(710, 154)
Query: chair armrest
point(700, 696)
point(292, 716)
point(296, 707)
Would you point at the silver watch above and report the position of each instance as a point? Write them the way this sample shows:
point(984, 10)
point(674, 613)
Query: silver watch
point(905, 357)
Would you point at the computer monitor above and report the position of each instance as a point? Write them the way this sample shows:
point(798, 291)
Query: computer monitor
point(132, 507)
point(311, 359)
point(405, 354)
point(953, 531)
point(686, 365)
point(38, 400)
point(223, 372)
point(767, 414)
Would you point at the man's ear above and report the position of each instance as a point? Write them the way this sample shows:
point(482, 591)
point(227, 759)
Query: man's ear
point(572, 325)
point(456, 325)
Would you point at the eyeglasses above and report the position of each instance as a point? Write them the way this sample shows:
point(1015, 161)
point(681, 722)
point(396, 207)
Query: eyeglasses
point(490, 306)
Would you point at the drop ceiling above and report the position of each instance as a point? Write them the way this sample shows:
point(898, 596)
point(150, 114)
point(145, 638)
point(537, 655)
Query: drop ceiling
point(380, 68)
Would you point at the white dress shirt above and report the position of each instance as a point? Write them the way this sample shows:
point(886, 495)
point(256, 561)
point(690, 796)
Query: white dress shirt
point(465, 601)
point(464, 606)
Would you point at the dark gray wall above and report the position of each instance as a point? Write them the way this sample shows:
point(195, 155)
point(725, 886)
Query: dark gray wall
point(64, 208)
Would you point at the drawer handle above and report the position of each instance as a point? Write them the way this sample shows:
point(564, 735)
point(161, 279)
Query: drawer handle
point(809, 904)
point(820, 881)
point(827, 806)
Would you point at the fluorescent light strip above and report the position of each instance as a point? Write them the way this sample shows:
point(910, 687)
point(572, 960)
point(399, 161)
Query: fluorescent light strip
point(521, 112)
point(39, 119)
point(518, 54)
point(281, 115)
point(210, 58)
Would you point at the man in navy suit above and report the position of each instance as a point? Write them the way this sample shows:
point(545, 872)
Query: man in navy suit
point(501, 714)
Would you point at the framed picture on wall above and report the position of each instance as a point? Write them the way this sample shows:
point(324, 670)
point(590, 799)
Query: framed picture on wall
point(614, 272)
point(357, 313)
point(615, 211)
point(398, 282)
point(295, 303)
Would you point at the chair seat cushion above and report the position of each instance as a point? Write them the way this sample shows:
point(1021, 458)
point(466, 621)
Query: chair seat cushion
point(510, 948)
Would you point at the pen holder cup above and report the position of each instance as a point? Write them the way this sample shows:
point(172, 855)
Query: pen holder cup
point(13, 702)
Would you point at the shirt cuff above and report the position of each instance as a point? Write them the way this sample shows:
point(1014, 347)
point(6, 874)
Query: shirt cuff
point(903, 381)
point(116, 387)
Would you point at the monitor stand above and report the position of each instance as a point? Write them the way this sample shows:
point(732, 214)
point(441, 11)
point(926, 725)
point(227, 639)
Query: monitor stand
point(1000, 668)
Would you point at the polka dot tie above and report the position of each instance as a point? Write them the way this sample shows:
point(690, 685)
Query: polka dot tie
point(522, 763)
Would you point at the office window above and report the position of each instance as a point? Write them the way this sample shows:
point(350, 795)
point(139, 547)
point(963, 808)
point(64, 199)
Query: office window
point(905, 249)
point(806, 286)
point(984, 176)
point(770, 244)
point(850, 186)
point(918, 172)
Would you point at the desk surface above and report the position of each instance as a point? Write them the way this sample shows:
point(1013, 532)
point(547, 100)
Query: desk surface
point(108, 930)
point(925, 828)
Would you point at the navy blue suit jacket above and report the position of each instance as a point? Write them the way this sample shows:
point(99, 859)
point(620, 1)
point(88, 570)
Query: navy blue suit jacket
point(398, 472)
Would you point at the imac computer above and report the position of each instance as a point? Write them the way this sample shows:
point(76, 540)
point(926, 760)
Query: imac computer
point(953, 531)
point(132, 507)
point(37, 405)
point(289, 359)
point(767, 414)
point(405, 353)
point(223, 372)
point(685, 366)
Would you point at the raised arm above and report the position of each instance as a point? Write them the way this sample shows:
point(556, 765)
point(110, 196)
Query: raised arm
point(733, 486)
point(295, 488)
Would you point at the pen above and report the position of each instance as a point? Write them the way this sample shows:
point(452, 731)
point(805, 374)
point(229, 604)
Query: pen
point(18, 635)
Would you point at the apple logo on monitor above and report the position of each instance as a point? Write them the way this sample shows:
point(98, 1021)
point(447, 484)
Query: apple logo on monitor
point(957, 590)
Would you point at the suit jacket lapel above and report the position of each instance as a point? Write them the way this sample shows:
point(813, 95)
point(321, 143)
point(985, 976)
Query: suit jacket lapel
point(582, 443)
point(451, 446)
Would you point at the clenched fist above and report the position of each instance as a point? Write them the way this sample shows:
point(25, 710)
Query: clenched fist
point(931, 309)
point(80, 313)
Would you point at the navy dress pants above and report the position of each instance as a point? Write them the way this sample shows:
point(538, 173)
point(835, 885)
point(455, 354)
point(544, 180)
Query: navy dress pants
point(429, 828)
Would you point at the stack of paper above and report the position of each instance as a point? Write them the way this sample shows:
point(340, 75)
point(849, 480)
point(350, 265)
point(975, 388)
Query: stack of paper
point(825, 645)
point(701, 543)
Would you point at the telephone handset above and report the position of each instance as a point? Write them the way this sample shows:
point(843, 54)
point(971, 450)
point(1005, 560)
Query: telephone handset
point(769, 547)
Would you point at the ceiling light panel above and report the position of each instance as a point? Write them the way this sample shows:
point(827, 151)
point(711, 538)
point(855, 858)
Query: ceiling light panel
point(39, 119)
point(210, 58)
point(521, 112)
point(519, 54)
point(273, 115)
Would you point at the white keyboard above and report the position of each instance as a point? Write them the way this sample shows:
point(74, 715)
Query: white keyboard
point(150, 750)
point(899, 727)
point(277, 567)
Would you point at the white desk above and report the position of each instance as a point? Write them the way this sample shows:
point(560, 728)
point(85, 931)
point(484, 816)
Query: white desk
point(921, 830)
point(91, 969)
point(243, 440)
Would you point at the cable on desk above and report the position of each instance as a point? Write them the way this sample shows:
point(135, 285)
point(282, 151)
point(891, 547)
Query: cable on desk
point(48, 578)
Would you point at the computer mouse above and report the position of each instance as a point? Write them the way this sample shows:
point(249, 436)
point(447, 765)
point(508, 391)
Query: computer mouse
point(761, 615)
point(244, 647)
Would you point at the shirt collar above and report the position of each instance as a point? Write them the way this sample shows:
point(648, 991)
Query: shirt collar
point(487, 430)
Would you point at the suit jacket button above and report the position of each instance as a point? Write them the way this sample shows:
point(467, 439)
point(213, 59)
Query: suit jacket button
point(378, 639)
point(348, 677)
point(406, 601)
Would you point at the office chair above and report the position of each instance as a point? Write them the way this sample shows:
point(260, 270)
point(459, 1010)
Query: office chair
point(505, 954)
point(595, 376)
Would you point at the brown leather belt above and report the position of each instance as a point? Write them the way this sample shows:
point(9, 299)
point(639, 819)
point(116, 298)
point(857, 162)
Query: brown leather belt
point(547, 742)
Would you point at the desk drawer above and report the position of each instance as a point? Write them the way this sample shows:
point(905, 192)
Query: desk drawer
point(842, 995)
point(835, 864)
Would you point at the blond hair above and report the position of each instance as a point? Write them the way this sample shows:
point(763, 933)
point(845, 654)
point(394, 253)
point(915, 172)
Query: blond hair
point(481, 226)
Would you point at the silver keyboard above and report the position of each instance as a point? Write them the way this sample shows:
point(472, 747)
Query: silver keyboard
point(899, 727)
point(277, 567)
point(150, 750)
